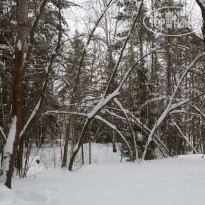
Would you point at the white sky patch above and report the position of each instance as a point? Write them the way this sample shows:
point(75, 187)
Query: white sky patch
point(81, 18)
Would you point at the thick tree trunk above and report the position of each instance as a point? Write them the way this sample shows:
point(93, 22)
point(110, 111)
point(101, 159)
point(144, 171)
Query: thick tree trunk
point(13, 137)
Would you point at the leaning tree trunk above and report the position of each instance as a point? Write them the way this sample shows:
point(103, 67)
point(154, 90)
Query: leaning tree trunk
point(11, 146)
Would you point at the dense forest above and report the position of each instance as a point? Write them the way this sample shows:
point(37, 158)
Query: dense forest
point(106, 80)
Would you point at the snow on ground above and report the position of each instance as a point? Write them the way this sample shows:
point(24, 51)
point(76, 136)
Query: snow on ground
point(176, 181)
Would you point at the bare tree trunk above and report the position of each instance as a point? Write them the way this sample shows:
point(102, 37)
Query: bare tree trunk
point(114, 149)
point(71, 136)
point(89, 146)
point(13, 137)
point(82, 149)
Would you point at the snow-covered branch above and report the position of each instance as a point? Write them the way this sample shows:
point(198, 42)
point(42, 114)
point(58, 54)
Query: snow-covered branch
point(179, 104)
point(114, 128)
point(148, 131)
point(102, 103)
point(145, 129)
point(198, 110)
point(115, 115)
point(153, 100)
point(134, 144)
point(35, 110)
point(185, 137)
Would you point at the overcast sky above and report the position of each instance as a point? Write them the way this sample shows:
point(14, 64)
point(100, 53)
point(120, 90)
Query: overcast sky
point(78, 17)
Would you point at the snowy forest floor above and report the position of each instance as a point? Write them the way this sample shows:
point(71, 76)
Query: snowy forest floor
point(174, 181)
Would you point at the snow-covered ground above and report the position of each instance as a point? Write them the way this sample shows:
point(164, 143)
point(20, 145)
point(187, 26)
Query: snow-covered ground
point(177, 181)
